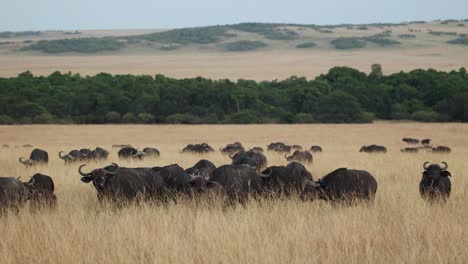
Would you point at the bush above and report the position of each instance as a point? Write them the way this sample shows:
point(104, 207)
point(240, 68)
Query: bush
point(112, 117)
point(306, 45)
point(129, 118)
point(303, 118)
point(185, 36)
point(44, 118)
point(6, 120)
point(269, 31)
point(459, 41)
point(146, 118)
point(244, 45)
point(182, 119)
point(80, 45)
point(348, 43)
point(426, 116)
point(245, 117)
point(407, 36)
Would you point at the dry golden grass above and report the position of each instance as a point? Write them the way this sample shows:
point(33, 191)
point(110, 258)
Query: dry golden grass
point(398, 228)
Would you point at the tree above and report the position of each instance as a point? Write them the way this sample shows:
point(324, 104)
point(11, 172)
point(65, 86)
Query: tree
point(376, 71)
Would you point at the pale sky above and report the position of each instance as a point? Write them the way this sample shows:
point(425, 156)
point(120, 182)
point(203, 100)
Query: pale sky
point(17, 15)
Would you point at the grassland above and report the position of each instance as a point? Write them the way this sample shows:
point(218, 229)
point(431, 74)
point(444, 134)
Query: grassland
point(141, 52)
point(398, 228)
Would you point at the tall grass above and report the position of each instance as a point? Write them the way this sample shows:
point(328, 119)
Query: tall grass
point(399, 228)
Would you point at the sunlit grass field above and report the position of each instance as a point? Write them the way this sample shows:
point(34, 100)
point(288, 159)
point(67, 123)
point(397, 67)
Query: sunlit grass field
point(398, 228)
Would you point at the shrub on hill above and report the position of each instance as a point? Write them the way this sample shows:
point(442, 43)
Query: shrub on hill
point(306, 45)
point(9, 34)
point(80, 45)
point(186, 36)
point(459, 41)
point(244, 45)
point(407, 36)
point(348, 43)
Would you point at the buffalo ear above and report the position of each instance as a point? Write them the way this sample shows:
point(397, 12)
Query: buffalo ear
point(86, 179)
point(445, 173)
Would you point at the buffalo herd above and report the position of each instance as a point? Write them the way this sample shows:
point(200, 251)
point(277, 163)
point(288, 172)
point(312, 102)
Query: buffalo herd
point(247, 176)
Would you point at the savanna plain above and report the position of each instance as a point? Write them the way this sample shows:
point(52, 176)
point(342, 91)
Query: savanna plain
point(399, 227)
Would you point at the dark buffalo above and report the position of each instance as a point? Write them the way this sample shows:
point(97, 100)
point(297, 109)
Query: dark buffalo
point(411, 140)
point(299, 155)
point(41, 188)
point(202, 168)
point(175, 178)
point(122, 146)
point(198, 148)
point(435, 184)
point(130, 153)
point(13, 194)
point(100, 153)
point(250, 158)
point(286, 180)
point(121, 185)
point(316, 148)
point(239, 182)
point(296, 147)
point(151, 152)
point(232, 148)
point(410, 150)
point(279, 147)
point(38, 156)
point(373, 149)
point(256, 149)
point(441, 149)
point(72, 156)
point(426, 141)
point(342, 185)
point(5, 146)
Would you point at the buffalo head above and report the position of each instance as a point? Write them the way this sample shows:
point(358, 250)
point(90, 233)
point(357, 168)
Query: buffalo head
point(435, 171)
point(98, 176)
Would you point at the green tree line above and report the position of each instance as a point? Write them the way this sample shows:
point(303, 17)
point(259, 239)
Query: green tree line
point(343, 95)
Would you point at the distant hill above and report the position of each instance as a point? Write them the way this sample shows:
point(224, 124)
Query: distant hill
point(251, 36)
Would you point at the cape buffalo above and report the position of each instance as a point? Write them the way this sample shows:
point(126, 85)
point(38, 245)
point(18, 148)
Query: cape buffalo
point(296, 147)
point(299, 155)
point(410, 150)
point(121, 185)
point(287, 180)
point(279, 147)
point(373, 149)
point(202, 168)
point(174, 177)
point(41, 188)
point(342, 185)
point(239, 182)
point(435, 184)
point(38, 156)
point(441, 149)
point(250, 158)
point(72, 156)
point(151, 152)
point(426, 141)
point(13, 194)
point(316, 148)
point(256, 149)
point(232, 148)
point(198, 148)
point(129, 152)
point(100, 153)
point(411, 140)
point(5, 146)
